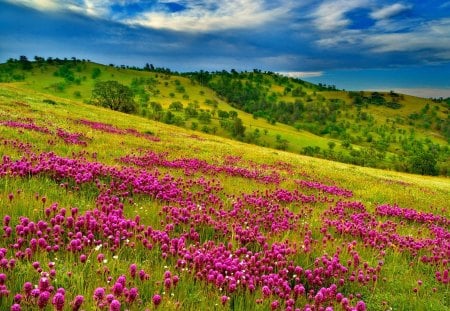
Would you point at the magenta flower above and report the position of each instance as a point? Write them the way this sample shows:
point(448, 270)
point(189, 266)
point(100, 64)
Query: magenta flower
point(361, 306)
point(156, 300)
point(224, 299)
point(77, 302)
point(16, 307)
point(133, 269)
point(58, 301)
point(266, 291)
point(115, 305)
point(43, 299)
point(99, 293)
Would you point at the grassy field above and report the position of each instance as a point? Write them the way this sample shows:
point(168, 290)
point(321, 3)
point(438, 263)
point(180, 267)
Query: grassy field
point(368, 135)
point(107, 211)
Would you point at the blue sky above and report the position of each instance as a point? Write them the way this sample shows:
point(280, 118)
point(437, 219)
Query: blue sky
point(353, 44)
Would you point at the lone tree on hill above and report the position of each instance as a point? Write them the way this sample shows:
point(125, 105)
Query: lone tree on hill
point(424, 163)
point(113, 95)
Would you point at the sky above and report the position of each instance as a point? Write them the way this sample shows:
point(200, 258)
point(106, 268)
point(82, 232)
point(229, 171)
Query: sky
point(352, 44)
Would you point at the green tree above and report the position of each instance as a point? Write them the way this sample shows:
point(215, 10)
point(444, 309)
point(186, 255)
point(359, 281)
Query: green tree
point(424, 163)
point(113, 95)
point(96, 72)
point(177, 106)
point(238, 128)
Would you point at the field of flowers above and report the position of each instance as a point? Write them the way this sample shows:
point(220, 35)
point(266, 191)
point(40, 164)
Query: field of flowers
point(103, 211)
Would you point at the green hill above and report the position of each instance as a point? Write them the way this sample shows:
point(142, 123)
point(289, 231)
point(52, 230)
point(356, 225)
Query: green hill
point(106, 210)
point(384, 130)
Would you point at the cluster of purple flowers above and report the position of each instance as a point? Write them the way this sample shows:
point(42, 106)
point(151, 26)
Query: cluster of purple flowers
point(234, 243)
point(108, 128)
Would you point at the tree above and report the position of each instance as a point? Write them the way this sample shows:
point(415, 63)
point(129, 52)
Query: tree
point(177, 106)
point(331, 145)
point(238, 128)
point(424, 163)
point(113, 95)
point(25, 63)
point(96, 72)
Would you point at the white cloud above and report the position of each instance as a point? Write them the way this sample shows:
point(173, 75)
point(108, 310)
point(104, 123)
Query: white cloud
point(42, 5)
point(433, 36)
point(208, 15)
point(389, 11)
point(301, 74)
point(330, 15)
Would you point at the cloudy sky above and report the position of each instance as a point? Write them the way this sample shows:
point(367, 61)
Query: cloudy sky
point(353, 44)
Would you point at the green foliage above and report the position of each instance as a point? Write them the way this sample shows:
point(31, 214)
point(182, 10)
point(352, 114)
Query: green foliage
point(96, 72)
point(204, 116)
point(424, 163)
point(177, 106)
point(113, 95)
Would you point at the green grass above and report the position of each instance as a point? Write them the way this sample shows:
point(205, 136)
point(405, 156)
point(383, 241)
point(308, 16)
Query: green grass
point(370, 186)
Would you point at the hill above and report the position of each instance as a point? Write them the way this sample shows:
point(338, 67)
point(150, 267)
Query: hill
point(385, 130)
point(106, 210)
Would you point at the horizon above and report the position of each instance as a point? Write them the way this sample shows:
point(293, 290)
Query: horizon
point(402, 46)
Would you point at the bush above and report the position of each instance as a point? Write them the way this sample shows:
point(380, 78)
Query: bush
point(113, 95)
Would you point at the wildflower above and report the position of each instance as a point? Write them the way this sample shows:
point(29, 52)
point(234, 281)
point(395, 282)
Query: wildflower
point(133, 269)
point(43, 299)
point(361, 306)
point(58, 301)
point(77, 302)
point(156, 300)
point(132, 294)
point(266, 291)
point(99, 293)
point(224, 299)
point(115, 305)
point(16, 307)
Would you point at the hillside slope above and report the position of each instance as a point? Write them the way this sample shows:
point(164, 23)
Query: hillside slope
point(385, 130)
point(105, 210)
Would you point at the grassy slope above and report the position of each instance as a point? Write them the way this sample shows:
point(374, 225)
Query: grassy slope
point(370, 186)
point(41, 79)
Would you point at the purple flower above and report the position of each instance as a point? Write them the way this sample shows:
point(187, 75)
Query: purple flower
point(58, 301)
point(117, 289)
point(224, 299)
point(27, 287)
point(266, 291)
point(361, 306)
point(132, 294)
point(133, 269)
point(16, 307)
point(156, 300)
point(44, 283)
point(43, 299)
point(2, 278)
point(99, 293)
point(115, 305)
point(77, 302)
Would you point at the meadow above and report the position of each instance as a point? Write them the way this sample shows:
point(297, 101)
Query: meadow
point(107, 211)
point(373, 129)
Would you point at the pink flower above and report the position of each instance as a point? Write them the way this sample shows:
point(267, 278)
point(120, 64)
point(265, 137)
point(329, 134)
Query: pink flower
point(58, 301)
point(156, 300)
point(115, 305)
